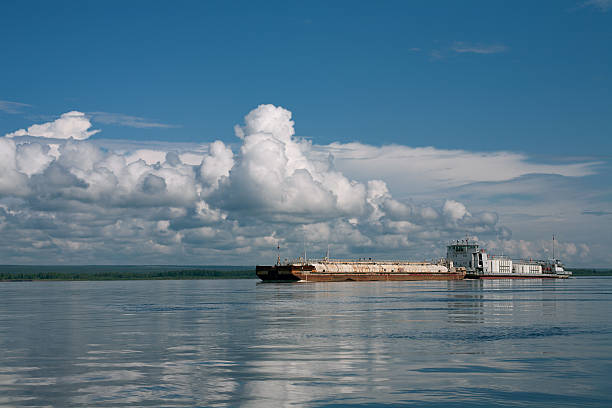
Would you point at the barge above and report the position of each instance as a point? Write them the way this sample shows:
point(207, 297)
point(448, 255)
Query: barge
point(330, 270)
point(463, 260)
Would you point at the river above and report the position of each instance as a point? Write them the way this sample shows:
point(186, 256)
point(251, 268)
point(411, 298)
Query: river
point(527, 343)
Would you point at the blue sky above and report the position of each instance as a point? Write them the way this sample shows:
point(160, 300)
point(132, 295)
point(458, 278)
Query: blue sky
point(525, 78)
point(377, 73)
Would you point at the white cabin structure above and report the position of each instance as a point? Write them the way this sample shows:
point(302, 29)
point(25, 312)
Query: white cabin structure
point(478, 262)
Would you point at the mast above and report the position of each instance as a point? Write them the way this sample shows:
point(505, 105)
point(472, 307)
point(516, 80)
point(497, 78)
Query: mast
point(553, 247)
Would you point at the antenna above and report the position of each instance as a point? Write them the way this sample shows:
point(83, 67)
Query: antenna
point(327, 254)
point(278, 249)
point(553, 247)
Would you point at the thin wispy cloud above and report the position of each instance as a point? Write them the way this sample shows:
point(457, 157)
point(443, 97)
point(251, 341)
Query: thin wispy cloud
point(417, 169)
point(601, 5)
point(462, 48)
point(109, 118)
point(12, 107)
point(597, 213)
point(435, 55)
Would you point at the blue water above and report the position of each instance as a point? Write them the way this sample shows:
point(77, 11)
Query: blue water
point(528, 343)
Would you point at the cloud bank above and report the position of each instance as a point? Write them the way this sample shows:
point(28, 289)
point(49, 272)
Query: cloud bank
point(65, 199)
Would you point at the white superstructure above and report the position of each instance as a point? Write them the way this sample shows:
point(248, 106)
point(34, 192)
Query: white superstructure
point(478, 262)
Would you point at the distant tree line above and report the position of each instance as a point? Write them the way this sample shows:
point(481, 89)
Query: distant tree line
point(590, 272)
point(126, 275)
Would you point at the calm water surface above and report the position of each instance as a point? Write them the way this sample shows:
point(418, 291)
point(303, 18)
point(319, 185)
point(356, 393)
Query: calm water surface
point(239, 343)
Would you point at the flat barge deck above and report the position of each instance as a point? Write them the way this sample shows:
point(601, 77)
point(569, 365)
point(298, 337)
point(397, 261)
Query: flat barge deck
point(339, 271)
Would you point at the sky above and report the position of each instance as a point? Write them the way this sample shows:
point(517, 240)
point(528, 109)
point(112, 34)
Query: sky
point(211, 132)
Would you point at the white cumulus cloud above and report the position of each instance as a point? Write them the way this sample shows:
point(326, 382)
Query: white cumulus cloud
point(277, 173)
point(72, 124)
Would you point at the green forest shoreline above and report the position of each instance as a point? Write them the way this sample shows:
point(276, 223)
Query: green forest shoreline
point(105, 273)
point(16, 273)
point(107, 276)
point(590, 272)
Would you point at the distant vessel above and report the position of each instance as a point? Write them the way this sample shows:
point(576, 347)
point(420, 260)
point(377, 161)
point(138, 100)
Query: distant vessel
point(481, 265)
point(463, 260)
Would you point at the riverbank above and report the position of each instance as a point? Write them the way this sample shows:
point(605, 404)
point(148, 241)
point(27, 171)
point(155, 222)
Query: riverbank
point(590, 272)
point(10, 273)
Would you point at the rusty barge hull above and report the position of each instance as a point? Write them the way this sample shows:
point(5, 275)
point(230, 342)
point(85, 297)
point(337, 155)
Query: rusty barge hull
point(307, 273)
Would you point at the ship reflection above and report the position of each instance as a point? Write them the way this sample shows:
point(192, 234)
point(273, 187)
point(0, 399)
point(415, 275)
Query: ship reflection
point(493, 300)
point(318, 341)
point(466, 302)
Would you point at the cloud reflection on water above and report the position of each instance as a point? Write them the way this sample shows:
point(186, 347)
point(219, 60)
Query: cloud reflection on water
point(303, 344)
